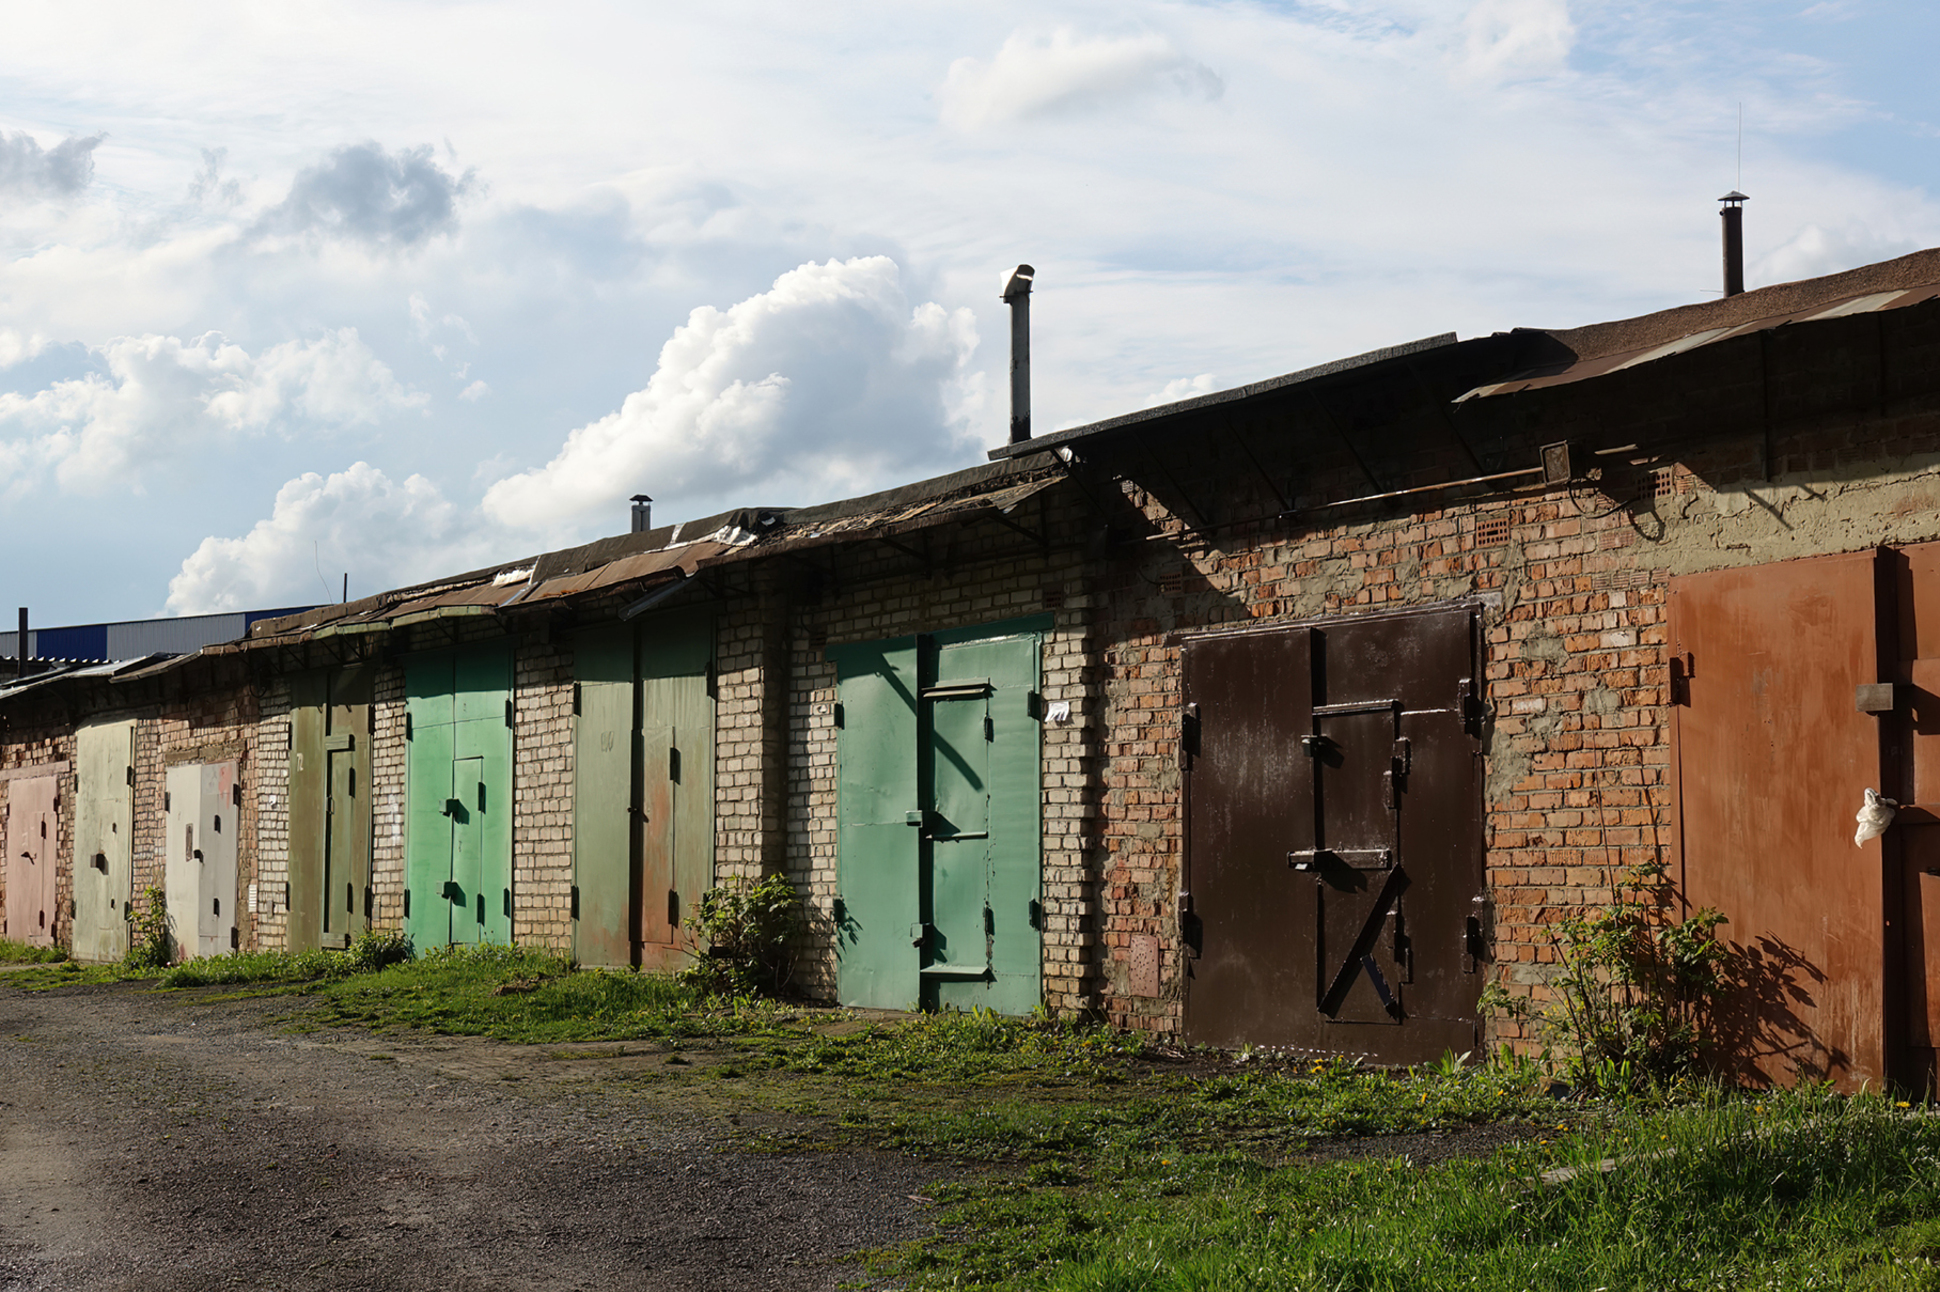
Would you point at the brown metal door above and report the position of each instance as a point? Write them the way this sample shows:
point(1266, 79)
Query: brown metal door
point(1248, 920)
point(1361, 963)
point(1772, 758)
point(1334, 837)
point(1394, 701)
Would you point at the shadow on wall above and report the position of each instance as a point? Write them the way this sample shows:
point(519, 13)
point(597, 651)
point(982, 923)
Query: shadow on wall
point(1758, 1030)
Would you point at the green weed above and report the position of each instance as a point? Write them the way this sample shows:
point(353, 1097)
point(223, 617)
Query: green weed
point(1796, 1191)
point(19, 953)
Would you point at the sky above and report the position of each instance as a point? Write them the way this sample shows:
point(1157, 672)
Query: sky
point(395, 290)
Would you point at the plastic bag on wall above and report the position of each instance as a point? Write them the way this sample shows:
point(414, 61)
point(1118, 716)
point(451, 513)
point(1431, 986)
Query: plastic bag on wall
point(1873, 818)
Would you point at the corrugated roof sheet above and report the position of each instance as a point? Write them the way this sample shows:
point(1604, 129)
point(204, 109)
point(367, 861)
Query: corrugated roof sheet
point(1605, 348)
point(663, 555)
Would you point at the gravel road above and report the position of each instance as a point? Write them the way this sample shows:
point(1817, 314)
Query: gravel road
point(155, 1140)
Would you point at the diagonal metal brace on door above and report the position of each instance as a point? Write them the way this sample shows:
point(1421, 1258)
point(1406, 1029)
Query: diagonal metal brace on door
point(1361, 956)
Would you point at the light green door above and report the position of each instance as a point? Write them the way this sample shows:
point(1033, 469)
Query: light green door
point(104, 825)
point(676, 742)
point(330, 892)
point(939, 820)
point(458, 789)
point(308, 798)
point(605, 799)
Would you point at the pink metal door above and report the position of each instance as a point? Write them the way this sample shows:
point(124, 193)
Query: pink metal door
point(33, 843)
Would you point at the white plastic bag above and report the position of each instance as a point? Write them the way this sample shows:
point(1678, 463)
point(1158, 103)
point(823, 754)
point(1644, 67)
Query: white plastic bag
point(1874, 818)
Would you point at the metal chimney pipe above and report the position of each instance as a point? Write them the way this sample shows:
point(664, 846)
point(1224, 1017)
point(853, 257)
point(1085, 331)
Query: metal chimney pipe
point(1017, 295)
point(642, 513)
point(1733, 216)
point(20, 653)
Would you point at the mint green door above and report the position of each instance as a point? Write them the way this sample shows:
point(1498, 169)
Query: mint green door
point(469, 882)
point(939, 854)
point(458, 791)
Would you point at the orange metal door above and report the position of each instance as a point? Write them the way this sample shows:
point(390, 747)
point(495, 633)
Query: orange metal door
point(1771, 759)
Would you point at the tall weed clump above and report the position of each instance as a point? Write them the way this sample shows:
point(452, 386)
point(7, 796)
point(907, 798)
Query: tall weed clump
point(751, 931)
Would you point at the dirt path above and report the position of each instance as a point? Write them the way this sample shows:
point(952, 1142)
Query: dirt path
point(151, 1140)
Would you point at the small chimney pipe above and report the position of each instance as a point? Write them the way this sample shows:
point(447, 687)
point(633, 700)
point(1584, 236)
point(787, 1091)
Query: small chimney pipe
point(1733, 216)
point(1017, 295)
point(20, 651)
point(642, 513)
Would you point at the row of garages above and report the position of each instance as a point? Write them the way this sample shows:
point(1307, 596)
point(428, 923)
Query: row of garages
point(1292, 715)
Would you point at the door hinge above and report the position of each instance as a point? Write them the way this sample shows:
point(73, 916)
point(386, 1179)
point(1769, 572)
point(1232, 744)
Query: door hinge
point(1188, 736)
point(575, 901)
point(508, 713)
point(575, 699)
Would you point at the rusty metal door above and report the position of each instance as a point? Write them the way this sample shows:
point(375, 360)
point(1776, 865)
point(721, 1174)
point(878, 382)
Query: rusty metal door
point(1771, 758)
point(1334, 893)
point(33, 842)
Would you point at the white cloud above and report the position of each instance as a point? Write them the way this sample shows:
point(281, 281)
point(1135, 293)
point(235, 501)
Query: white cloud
point(1512, 38)
point(161, 397)
point(384, 533)
point(16, 348)
point(1813, 251)
point(827, 383)
point(1180, 388)
point(1036, 75)
point(474, 392)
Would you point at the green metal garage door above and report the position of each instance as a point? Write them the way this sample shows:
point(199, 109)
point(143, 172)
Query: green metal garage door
point(938, 787)
point(458, 790)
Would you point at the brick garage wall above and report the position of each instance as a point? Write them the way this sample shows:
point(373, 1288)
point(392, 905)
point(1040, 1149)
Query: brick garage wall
point(750, 674)
point(271, 792)
point(387, 798)
point(542, 793)
point(1573, 586)
point(41, 737)
point(985, 579)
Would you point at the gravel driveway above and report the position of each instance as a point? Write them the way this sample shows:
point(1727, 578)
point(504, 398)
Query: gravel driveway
point(161, 1140)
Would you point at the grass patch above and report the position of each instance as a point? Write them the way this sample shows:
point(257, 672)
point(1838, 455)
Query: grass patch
point(19, 953)
point(1798, 1191)
point(513, 994)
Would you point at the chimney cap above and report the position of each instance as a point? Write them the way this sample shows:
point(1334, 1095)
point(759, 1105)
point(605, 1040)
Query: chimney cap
point(1734, 196)
point(1019, 282)
point(639, 497)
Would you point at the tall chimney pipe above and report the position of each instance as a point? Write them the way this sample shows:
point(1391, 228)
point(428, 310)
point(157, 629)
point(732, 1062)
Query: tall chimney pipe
point(1733, 216)
point(20, 652)
point(642, 513)
point(1017, 295)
